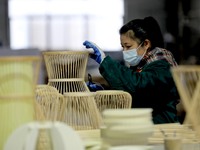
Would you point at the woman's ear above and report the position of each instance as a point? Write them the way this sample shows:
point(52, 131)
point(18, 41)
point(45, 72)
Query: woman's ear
point(147, 44)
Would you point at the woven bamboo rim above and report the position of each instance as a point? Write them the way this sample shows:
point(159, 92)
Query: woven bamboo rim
point(110, 92)
point(75, 94)
point(66, 79)
point(64, 52)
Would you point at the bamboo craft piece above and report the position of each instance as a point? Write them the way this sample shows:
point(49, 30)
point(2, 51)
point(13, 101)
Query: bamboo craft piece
point(50, 103)
point(66, 70)
point(80, 111)
point(45, 135)
point(18, 79)
point(112, 99)
point(185, 132)
point(187, 79)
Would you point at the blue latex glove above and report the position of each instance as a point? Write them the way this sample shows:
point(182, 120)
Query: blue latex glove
point(98, 55)
point(93, 87)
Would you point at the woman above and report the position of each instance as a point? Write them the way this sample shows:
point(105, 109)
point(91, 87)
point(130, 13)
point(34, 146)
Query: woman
point(146, 75)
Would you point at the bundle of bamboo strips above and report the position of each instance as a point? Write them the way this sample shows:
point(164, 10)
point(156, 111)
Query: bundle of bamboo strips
point(185, 132)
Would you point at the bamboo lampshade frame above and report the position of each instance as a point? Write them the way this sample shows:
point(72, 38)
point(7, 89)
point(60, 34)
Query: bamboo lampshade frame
point(18, 78)
point(50, 102)
point(66, 70)
point(187, 79)
point(112, 99)
point(80, 111)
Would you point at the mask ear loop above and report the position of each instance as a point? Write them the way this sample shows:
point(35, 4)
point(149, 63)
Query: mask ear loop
point(140, 46)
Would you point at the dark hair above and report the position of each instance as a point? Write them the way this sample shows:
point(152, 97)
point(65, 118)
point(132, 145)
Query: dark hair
point(147, 28)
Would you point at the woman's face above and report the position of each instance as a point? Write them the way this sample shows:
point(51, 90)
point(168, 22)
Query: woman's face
point(128, 43)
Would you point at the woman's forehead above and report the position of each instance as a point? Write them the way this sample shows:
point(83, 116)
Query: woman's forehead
point(126, 39)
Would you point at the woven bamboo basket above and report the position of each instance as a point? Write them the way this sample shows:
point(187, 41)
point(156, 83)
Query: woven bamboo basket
point(18, 79)
point(112, 99)
point(187, 79)
point(66, 70)
point(50, 103)
point(80, 111)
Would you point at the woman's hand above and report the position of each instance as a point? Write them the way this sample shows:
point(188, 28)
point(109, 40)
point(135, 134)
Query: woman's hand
point(98, 55)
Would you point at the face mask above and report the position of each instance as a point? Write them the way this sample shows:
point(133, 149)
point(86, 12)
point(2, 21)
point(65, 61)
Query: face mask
point(131, 57)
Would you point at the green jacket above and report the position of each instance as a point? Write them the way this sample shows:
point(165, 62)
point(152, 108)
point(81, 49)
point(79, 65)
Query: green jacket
point(153, 87)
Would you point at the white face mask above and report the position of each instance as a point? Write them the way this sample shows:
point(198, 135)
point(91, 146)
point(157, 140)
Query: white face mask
point(131, 57)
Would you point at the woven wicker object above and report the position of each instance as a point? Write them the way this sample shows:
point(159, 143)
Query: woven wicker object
point(112, 99)
point(80, 111)
point(18, 78)
point(50, 102)
point(66, 70)
point(187, 79)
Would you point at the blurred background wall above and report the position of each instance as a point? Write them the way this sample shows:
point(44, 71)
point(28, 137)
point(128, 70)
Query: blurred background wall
point(179, 21)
